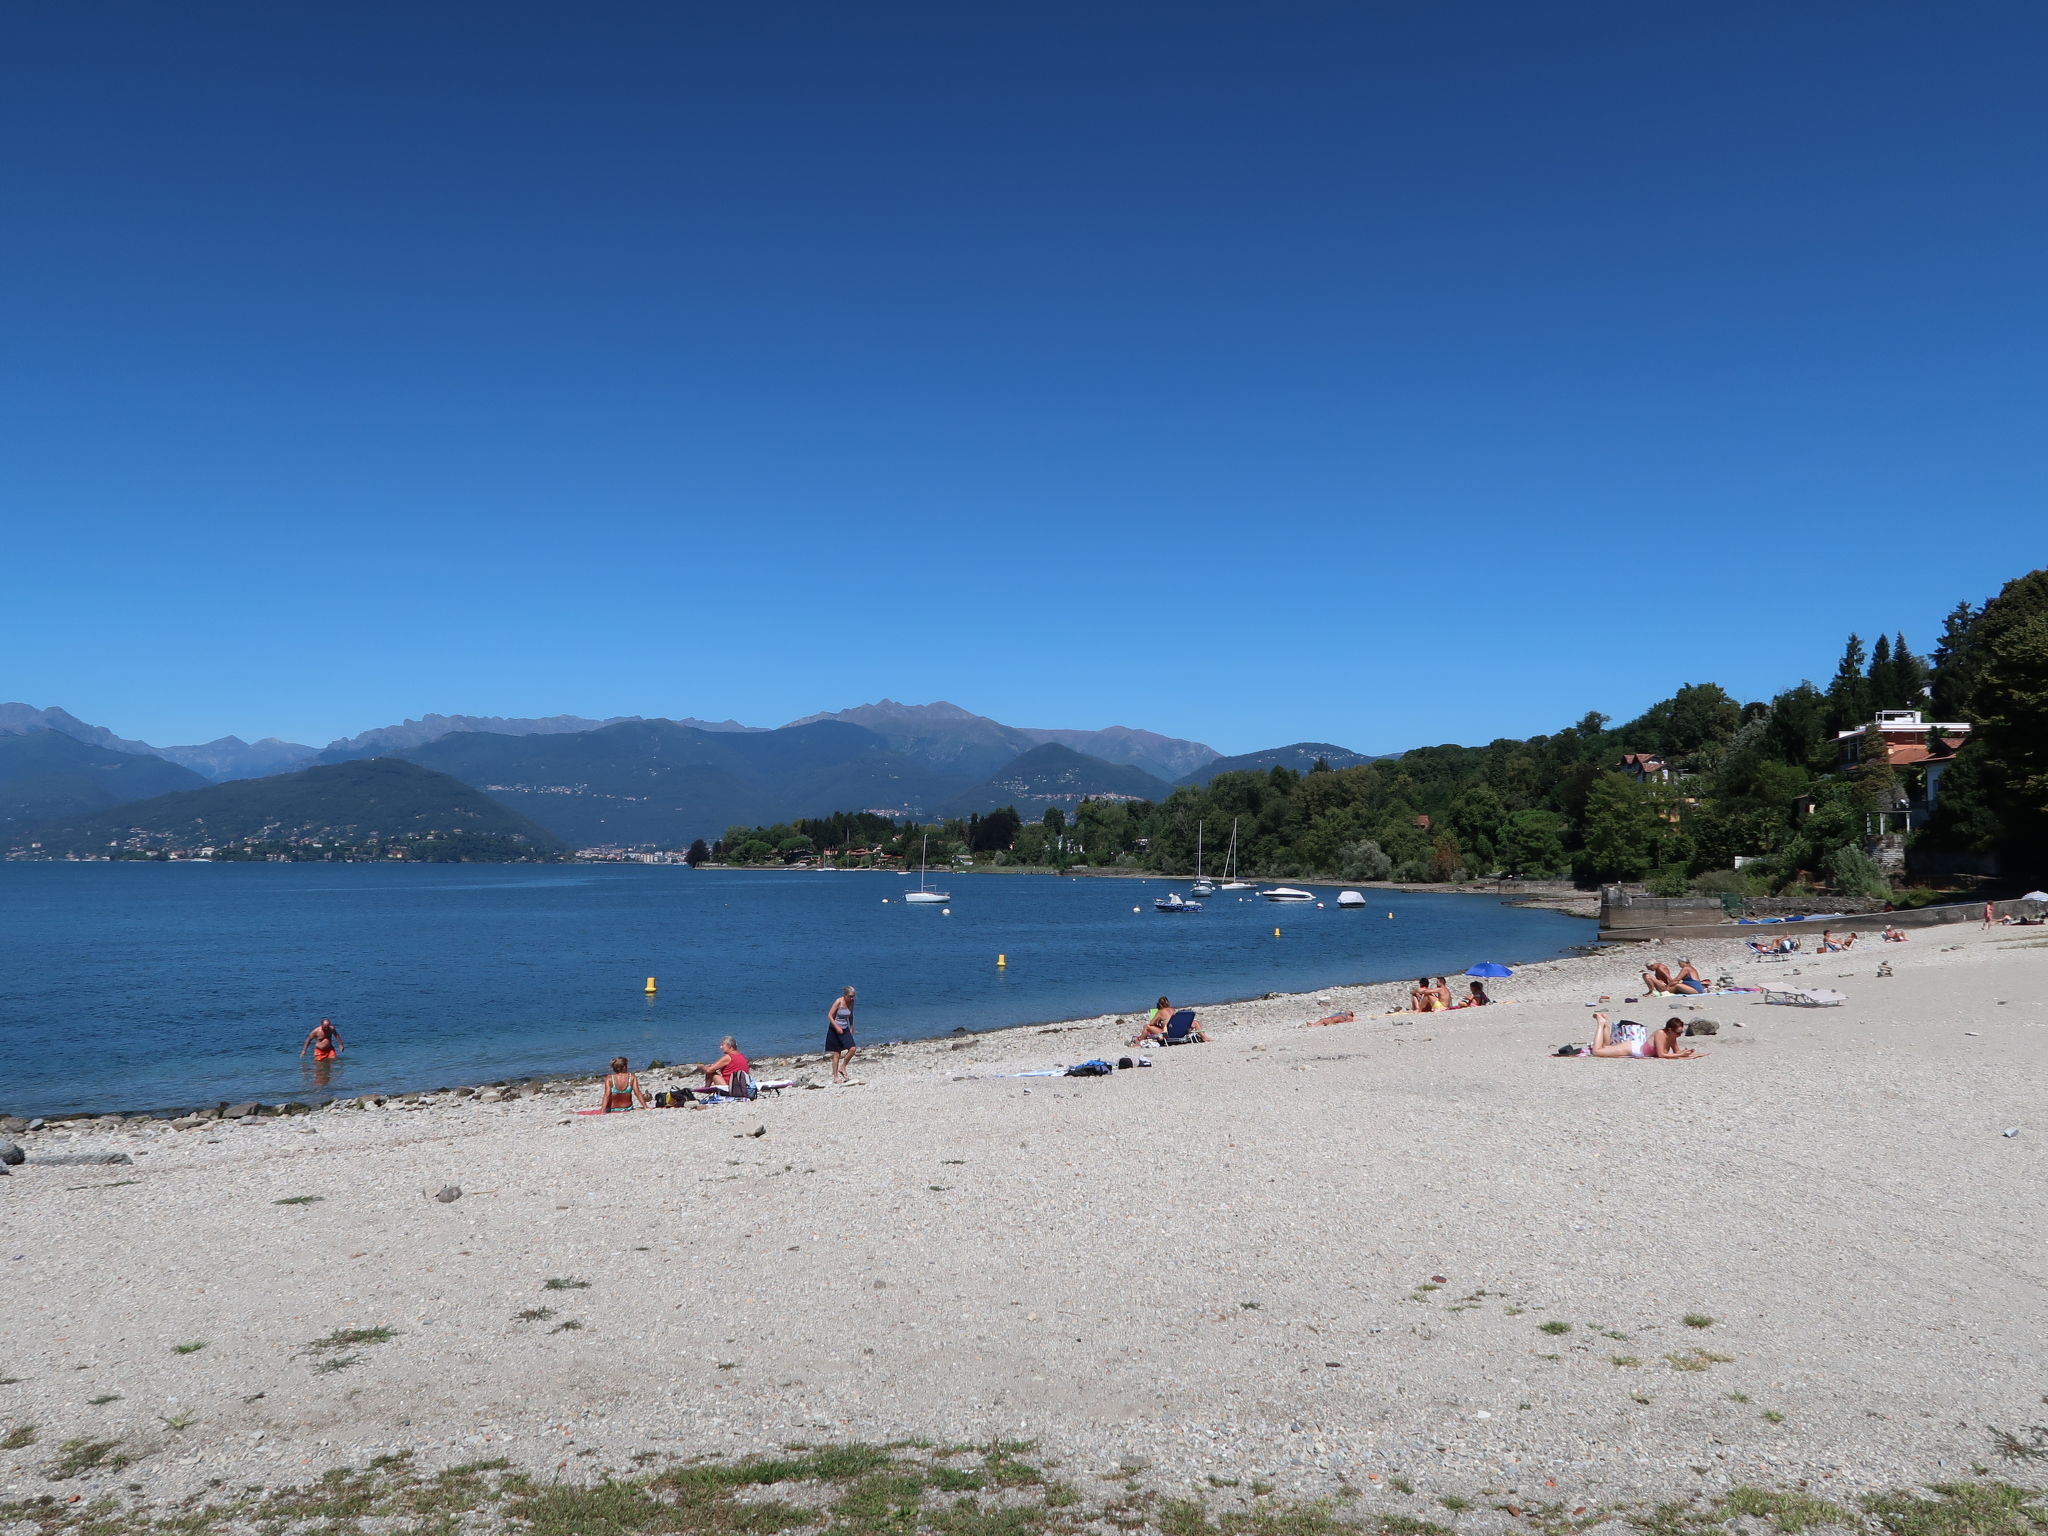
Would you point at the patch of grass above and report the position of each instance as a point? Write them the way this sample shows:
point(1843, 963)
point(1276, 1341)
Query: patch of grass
point(333, 1363)
point(103, 1399)
point(1698, 1320)
point(1400, 1483)
point(1772, 1416)
point(1788, 1512)
point(1428, 1285)
point(192, 1348)
point(533, 1314)
point(80, 1456)
point(1640, 1397)
point(299, 1200)
point(1514, 1311)
point(1692, 1360)
point(1249, 1306)
point(564, 1283)
point(19, 1438)
point(1629, 1362)
point(569, 1326)
point(1553, 1326)
point(1408, 1525)
point(177, 1420)
point(1453, 1502)
point(1738, 1397)
point(1960, 1509)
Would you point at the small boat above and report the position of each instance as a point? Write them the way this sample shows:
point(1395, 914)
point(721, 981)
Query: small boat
point(1230, 880)
point(1287, 893)
point(1203, 885)
point(922, 896)
point(1171, 902)
point(1350, 899)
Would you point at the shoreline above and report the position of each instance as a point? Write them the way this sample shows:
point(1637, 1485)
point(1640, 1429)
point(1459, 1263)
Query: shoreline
point(784, 1064)
point(1319, 1257)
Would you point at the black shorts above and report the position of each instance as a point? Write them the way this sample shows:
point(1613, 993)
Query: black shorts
point(838, 1040)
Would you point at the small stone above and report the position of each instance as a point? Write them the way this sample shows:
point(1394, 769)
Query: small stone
point(240, 1111)
point(2012, 1131)
point(448, 1194)
point(295, 1108)
point(189, 1122)
point(759, 1130)
point(10, 1154)
point(464, 1093)
point(38, 1123)
point(12, 1125)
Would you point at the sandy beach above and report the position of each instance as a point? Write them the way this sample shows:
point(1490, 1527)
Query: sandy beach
point(1418, 1249)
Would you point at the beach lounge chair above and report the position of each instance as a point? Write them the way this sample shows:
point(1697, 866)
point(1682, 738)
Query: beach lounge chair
point(1180, 1029)
point(1767, 951)
point(1806, 997)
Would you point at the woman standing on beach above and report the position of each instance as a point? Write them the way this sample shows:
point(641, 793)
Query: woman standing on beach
point(839, 1035)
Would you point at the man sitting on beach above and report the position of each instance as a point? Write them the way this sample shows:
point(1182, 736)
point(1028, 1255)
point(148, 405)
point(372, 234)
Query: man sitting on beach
point(718, 1074)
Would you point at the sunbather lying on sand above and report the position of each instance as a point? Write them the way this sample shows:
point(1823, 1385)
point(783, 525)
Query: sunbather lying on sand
point(1629, 1038)
point(1331, 1018)
point(1894, 936)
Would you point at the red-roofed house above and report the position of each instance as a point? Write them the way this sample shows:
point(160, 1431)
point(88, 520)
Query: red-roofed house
point(1912, 743)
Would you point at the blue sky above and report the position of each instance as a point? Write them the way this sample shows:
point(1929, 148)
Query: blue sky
point(1383, 373)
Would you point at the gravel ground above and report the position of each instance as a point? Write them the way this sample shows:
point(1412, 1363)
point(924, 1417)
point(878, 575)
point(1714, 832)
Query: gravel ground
point(1315, 1257)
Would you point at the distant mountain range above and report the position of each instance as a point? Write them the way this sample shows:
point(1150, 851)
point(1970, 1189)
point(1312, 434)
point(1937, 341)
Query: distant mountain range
point(341, 802)
point(630, 781)
point(1300, 756)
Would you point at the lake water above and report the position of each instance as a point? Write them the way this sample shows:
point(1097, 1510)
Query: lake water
point(143, 986)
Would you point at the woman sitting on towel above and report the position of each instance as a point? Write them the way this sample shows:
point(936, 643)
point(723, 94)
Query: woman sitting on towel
point(1658, 978)
point(1688, 972)
point(622, 1088)
point(718, 1074)
point(1629, 1038)
point(1476, 997)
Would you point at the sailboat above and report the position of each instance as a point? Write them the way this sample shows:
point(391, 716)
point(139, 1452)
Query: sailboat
point(1202, 886)
point(921, 895)
point(1230, 880)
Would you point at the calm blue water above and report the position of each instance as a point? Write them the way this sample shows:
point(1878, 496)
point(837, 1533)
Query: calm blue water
point(136, 986)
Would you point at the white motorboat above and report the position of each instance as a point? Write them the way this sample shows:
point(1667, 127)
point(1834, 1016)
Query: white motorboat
point(923, 896)
point(1350, 899)
point(1171, 902)
point(1287, 893)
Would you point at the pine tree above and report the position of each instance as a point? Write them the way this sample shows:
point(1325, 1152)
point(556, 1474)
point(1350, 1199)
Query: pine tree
point(1954, 665)
point(1909, 677)
point(1883, 682)
point(1849, 693)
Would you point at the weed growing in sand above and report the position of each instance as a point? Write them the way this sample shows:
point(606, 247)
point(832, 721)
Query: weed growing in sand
point(19, 1438)
point(565, 1283)
point(1629, 1362)
point(350, 1338)
point(299, 1200)
point(189, 1349)
point(1399, 1483)
point(1697, 1360)
point(177, 1420)
point(1772, 1416)
point(1697, 1320)
point(1514, 1311)
point(1612, 1333)
point(79, 1456)
point(1738, 1397)
point(1554, 1327)
point(2032, 1447)
point(1639, 1397)
point(1428, 1285)
point(533, 1315)
point(335, 1363)
point(1249, 1306)
point(103, 1399)
point(1453, 1502)
point(569, 1326)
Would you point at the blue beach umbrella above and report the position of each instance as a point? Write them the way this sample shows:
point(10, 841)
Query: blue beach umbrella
point(1488, 968)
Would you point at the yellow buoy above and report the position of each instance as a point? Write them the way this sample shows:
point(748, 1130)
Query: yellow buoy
point(1002, 961)
point(1276, 933)
point(650, 986)
point(1390, 917)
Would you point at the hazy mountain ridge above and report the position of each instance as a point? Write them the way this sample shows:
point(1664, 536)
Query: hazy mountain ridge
point(1300, 756)
point(48, 773)
point(1054, 775)
point(230, 757)
point(347, 802)
point(948, 736)
point(21, 719)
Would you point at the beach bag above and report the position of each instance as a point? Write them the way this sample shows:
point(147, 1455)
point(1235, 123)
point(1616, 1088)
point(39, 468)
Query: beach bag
point(1097, 1068)
point(671, 1098)
point(741, 1086)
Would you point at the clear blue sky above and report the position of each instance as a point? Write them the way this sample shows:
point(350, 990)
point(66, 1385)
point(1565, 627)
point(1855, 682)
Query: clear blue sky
point(1384, 373)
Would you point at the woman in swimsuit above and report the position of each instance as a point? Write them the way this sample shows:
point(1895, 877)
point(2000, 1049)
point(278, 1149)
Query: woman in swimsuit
point(1629, 1038)
point(323, 1040)
point(1155, 1024)
point(1478, 997)
point(718, 1074)
point(839, 1034)
point(622, 1088)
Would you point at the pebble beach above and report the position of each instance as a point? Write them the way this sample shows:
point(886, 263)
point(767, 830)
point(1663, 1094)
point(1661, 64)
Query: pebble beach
point(1410, 1248)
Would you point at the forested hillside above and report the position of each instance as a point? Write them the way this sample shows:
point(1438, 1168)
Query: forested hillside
point(1713, 779)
